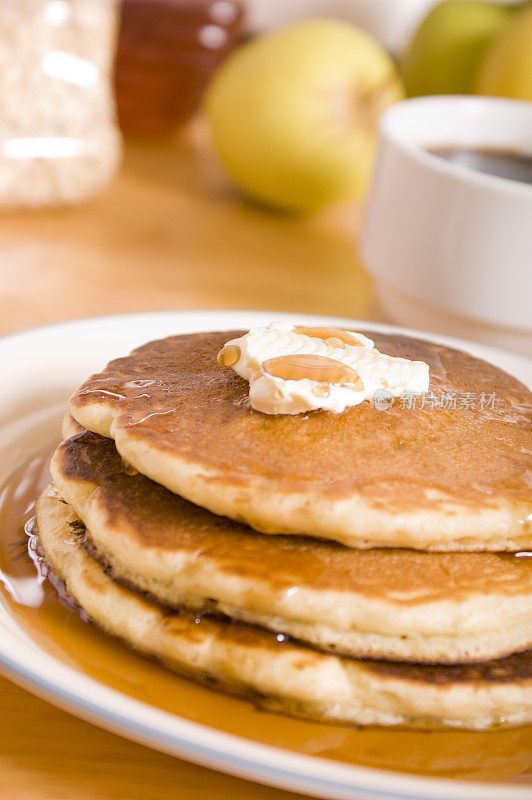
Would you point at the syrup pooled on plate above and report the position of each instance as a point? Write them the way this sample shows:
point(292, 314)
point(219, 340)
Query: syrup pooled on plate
point(504, 755)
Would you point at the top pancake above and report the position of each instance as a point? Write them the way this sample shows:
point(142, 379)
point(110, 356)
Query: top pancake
point(428, 478)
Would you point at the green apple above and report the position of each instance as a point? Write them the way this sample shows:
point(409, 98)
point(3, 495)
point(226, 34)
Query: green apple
point(293, 113)
point(506, 70)
point(447, 48)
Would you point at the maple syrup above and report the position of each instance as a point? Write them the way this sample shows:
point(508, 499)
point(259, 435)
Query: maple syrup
point(54, 624)
point(167, 50)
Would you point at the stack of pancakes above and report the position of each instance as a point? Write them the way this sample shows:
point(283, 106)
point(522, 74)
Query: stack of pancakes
point(367, 567)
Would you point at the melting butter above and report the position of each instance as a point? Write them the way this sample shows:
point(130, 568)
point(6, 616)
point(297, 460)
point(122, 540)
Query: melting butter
point(315, 368)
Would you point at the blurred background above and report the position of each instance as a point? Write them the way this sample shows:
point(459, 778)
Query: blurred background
point(171, 154)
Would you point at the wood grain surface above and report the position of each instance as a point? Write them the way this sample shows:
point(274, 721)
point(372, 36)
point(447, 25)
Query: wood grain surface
point(168, 234)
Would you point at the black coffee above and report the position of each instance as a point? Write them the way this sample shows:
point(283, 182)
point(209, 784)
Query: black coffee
point(508, 164)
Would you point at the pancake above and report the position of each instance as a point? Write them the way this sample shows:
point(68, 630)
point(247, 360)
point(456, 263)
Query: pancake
point(437, 479)
point(383, 603)
point(282, 675)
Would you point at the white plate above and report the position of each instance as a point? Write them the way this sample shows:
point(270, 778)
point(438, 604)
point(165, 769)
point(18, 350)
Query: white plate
point(39, 369)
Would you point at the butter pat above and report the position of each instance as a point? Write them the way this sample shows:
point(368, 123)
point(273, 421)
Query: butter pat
point(292, 369)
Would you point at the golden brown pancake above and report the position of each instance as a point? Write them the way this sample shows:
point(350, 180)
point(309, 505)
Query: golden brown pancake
point(283, 675)
point(385, 603)
point(428, 478)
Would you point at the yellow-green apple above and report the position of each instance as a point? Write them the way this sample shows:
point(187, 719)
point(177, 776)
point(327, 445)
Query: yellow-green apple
point(293, 113)
point(506, 70)
point(447, 48)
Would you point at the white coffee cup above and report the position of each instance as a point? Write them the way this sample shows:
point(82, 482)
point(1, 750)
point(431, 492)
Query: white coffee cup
point(447, 244)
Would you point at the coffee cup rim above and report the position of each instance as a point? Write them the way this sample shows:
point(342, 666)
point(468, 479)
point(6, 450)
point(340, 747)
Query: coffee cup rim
point(460, 109)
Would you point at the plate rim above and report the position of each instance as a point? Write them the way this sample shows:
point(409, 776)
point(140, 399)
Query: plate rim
point(196, 742)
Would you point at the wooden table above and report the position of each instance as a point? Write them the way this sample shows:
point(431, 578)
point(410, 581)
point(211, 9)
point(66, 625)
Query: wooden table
point(168, 234)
